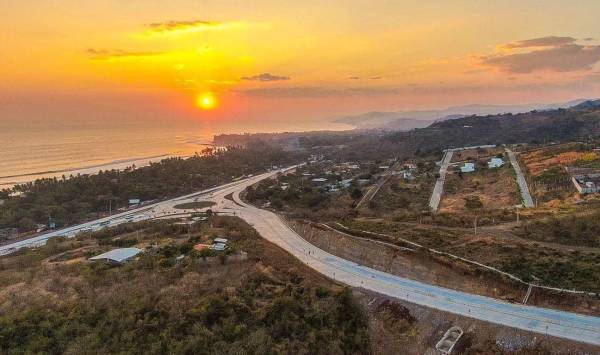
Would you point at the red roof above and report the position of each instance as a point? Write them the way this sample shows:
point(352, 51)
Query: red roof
point(200, 247)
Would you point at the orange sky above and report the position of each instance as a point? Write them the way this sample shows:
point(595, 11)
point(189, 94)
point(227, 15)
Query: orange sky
point(287, 64)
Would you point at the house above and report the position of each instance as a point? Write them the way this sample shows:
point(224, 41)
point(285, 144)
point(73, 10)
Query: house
point(408, 175)
point(346, 183)
point(134, 202)
point(468, 168)
point(218, 246)
point(319, 180)
point(221, 240)
point(410, 166)
point(384, 167)
point(117, 256)
point(495, 163)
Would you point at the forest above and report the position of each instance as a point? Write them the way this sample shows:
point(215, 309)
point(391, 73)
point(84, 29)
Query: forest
point(73, 199)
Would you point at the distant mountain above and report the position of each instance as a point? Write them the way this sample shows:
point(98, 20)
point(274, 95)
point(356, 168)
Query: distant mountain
point(407, 120)
point(588, 104)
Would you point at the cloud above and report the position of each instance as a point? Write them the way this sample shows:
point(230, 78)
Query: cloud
point(180, 27)
point(354, 78)
point(376, 78)
point(265, 77)
point(317, 91)
point(559, 54)
point(550, 41)
point(107, 54)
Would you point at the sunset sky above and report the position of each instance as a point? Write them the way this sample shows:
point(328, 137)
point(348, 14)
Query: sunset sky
point(275, 64)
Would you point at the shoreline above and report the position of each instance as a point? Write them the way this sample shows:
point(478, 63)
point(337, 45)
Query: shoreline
point(119, 164)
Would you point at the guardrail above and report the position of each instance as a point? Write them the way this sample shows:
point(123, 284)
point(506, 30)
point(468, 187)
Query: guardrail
point(456, 257)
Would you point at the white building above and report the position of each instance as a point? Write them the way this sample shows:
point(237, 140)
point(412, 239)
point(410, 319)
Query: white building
point(117, 256)
point(468, 168)
point(495, 163)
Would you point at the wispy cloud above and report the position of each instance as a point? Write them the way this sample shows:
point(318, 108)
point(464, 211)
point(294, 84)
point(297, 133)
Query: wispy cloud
point(559, 54)
point(550, 41)
point(265, 77)
point(182, 27)
point(317, 91)
point(107, 54)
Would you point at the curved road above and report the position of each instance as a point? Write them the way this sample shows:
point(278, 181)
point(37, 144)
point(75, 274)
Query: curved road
point(545, 321)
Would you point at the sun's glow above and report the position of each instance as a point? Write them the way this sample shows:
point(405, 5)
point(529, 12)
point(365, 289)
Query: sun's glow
point(206, 101)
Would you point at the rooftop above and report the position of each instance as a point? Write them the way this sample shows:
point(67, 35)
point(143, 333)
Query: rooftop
point(118, 255)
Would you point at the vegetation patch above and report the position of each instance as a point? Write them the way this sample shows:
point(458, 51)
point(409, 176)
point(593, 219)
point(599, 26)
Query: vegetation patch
point(194, 205)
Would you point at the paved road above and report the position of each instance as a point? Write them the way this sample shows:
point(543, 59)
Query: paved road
point(545, 321)
point(438, 189)
point(525, 195)
point(152, 211)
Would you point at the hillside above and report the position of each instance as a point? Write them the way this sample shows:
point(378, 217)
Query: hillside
point(532, 127)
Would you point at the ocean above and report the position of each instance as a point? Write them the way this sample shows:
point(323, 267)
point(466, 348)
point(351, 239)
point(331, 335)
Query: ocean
point(31, 152)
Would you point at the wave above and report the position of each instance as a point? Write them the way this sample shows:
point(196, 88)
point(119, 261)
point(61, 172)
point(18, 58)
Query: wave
point(66, 170)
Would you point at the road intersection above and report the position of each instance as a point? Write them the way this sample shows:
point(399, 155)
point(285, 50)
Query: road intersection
point(270, 226)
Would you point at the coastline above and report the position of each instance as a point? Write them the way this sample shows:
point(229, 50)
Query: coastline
point(7, 182)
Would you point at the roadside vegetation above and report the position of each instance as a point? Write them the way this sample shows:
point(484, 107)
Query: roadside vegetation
point(53, 301)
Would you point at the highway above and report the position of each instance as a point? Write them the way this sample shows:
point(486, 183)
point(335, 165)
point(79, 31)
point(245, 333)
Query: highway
point(525, 195)
point(227, 201)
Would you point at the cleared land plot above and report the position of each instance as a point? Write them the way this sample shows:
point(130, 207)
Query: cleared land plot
point(493, 188)
point(475, 154)
point(545, 169)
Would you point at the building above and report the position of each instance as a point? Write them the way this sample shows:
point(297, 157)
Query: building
point(134, 202)
point(495, 163)
point(319, 180)
point(345, 183)
point(585, 180)
point(408, 175)
point(219, 246)
point(117, 256)
point(221, 240)
point(468, 168)
point(410, 166)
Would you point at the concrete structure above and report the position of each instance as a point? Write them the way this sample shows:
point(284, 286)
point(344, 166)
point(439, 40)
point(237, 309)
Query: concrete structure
point(117, 256)
point(495, 163)
point(438, 189)
point(468, 168)
point(525, 194)
point(319, 180)
point(449, 340)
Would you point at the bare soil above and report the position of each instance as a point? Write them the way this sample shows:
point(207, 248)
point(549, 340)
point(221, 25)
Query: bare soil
point(496, 188)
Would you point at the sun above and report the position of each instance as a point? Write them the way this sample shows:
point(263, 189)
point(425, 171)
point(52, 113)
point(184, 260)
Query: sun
point(206, 101)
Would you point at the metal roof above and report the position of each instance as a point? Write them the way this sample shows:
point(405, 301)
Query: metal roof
point(118, 255)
